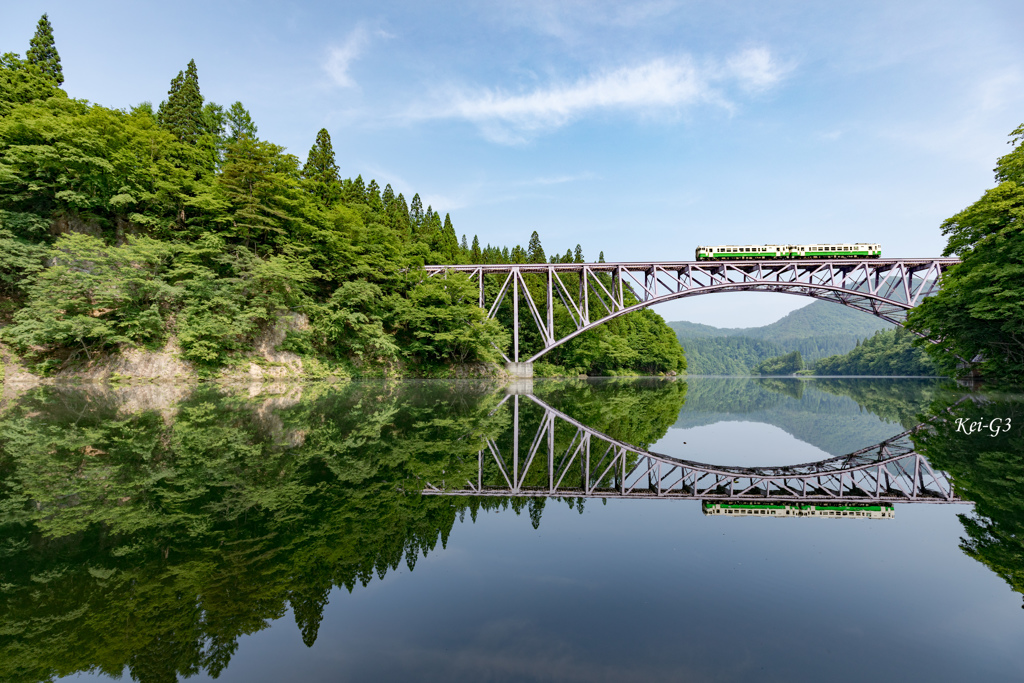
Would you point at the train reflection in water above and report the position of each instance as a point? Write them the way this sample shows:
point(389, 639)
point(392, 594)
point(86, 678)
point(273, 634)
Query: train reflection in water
point(880, 511)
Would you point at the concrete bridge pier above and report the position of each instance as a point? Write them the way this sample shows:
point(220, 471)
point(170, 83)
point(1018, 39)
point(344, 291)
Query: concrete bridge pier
point(520, 370)
point(521, 382)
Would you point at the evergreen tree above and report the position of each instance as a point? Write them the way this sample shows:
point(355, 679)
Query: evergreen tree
point(464, 245)
point(577, 257)
point(535, 252)
point(240, 123)
point(43, 52)
point(357, 191)
point(416, 212)
point(373, 196)
point(387, 197)
point(182, 112)
point(600, 257)
point(214, 120)
point(321, 170)
point(475, 254)
point(568, 256)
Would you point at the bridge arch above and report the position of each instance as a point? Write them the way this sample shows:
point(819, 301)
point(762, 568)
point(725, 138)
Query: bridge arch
point(885, 288)
point(597, 465)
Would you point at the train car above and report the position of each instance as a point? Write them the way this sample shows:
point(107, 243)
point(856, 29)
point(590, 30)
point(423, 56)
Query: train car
point(743, 251)
point(828, 511)
point(788, 251)
point(850, 250)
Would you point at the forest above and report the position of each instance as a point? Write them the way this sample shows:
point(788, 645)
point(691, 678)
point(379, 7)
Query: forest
point(177, 222)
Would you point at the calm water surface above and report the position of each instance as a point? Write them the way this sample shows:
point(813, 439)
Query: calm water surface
point(162, 533)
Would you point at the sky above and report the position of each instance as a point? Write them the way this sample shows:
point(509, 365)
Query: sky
point(638, 129)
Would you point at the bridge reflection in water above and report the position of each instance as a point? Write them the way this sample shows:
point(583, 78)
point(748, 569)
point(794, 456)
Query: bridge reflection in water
point(595, 465)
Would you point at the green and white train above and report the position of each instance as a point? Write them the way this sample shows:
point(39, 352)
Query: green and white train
point(788, 251)
point(826, 510)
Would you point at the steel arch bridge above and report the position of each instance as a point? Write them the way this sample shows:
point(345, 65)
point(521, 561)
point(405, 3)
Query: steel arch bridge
point(594, 465)
point(886, 288)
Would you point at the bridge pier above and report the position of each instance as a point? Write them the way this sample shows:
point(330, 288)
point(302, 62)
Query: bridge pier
point(520, 370)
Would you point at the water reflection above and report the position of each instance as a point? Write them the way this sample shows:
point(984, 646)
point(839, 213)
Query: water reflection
point(148, 530)
point(548, 453)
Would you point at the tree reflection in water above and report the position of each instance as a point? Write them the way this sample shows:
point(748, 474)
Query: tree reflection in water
point(149, 528)
point(989, 470)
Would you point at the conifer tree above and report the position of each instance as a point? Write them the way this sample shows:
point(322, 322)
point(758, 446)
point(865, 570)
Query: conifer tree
point(321, 170)
point(568, 256)
point(182, 112)
point(240, 123)
point(535, 252)
point(373, 196)
point(451, 242)
point(43, 52)
point(416, 212)
point(577, 257)
point(475, 255)
point(600, 257)
point(357, 190)
point(387, 196)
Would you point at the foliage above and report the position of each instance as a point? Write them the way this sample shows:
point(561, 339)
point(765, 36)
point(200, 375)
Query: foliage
point(182, 112)
point(888, 352)
point(787, 364)
point(440, 322)
point(978, 316)
point(43, 52)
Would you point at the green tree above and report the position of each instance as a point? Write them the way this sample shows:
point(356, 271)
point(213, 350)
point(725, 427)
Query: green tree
point(788, 364)
point(321, 170)
point(979, 313)
point(182, 112)
point(42, 51)
point(239, 122)
point(535, 252)
point(441, 322)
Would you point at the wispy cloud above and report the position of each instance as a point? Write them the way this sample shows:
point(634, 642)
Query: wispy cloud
point(658, 85)
point(340, 57)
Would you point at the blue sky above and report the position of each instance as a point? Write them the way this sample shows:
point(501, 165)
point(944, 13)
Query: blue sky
point(638, 129)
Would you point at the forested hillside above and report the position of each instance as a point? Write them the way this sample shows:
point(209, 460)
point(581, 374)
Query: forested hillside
point(127, 228)
point(888, 352)
point(817, 331)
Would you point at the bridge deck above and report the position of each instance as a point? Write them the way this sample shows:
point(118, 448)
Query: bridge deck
point(673, 265)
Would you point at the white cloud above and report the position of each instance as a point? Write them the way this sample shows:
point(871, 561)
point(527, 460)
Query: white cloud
point(658, 85)
point(756, 69)
point(340, 57)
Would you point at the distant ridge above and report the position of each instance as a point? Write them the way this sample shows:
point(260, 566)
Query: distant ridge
point(816, 331)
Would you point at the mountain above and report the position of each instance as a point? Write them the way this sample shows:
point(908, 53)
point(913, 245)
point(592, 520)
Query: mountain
point(819, 330)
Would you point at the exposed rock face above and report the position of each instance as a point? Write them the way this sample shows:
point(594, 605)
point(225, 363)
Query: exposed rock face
point(164, 365)
point(278, 364)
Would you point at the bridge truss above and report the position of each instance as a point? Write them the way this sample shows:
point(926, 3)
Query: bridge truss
point(593, 293)
point(594, 465)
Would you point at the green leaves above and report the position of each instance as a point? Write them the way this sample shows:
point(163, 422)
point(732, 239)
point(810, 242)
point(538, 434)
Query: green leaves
point(979, 314)
point(441, 322)
point(42, 51)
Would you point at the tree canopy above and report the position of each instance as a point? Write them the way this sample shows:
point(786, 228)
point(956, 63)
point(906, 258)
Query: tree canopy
point(978, 316)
